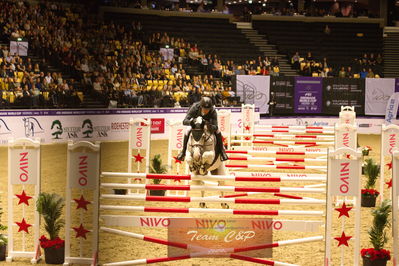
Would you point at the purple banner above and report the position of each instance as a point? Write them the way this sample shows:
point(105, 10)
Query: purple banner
point(397, 85)
point(308, 95)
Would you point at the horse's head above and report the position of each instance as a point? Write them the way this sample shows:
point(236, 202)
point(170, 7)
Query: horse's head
point(201, 147)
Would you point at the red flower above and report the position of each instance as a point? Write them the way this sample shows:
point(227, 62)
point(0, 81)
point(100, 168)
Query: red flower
point(370, 192)
point(374, 254)
point(56, 242)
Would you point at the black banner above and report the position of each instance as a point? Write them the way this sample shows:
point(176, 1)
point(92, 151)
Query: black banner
point(339, 92)
point(283, 89)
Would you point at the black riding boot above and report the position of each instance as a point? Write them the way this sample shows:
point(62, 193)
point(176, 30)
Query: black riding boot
point(182, 154)
point(219, 140)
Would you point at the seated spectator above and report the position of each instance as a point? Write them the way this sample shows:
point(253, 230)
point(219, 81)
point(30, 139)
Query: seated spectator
point(363, 73)
point(295, 60)
point(342, 73)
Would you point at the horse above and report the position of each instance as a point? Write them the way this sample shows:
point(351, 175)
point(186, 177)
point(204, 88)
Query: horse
point(202, 156)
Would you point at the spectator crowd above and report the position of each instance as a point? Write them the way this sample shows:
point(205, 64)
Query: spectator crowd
point(121, 64)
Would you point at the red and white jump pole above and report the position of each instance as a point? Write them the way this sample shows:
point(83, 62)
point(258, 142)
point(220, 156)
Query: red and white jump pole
point(185, 246)
point(284, 142)
point(213, 188)
point(214, 211)
point(297, 127)
point(272, 166)
point(277, 152)
point(273, 159)
point(286, 136)
point(219, 200)
point(240, 177)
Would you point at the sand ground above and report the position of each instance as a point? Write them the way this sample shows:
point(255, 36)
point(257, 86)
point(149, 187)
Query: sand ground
point(114, 248)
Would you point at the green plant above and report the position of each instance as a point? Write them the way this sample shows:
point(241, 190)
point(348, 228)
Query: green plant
point(377, 233)
point(156, 167)
point(3, 237)
point(50, 207)
point(372, 170)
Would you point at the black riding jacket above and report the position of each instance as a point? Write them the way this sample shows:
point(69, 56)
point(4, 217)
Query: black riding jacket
point(195, 111)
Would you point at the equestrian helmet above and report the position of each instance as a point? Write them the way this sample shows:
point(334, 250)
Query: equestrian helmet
point(206, 103)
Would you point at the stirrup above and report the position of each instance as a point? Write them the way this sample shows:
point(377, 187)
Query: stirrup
point(223, 156)
point(180, 156)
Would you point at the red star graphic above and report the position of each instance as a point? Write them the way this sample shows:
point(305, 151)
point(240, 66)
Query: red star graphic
point(247, 128)
point(348, 156)
point(343, 239)
point(247, 138)
point(82, 203)
point(389, 183)
point(23, 226)
point(224, 139)
point(389, 165)
point(343, 210)
point(176, 160)
point(138, 158)
point(80, 231)
point(23, 198)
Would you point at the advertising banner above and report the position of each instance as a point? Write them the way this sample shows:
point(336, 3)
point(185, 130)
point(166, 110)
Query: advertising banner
point(218, 236)
point(84, 170)
point(308, 95)
point(23, 166)
point(254, 90)
point(344, 177)
point(339, 92)
point(378, 92)
point(283, 88)
point(53, 126)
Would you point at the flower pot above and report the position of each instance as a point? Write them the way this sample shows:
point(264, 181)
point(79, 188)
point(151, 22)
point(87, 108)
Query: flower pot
point(3, 249)
point(365, 153)
point(120, 191)
point(54, 255)
point(377, 262)
point(157, 192)
point(368, 201)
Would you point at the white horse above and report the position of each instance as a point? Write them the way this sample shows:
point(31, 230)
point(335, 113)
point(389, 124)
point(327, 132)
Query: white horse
point(201, 154)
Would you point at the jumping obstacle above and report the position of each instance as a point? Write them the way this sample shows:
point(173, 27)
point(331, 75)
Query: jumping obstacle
point(275, 160)
point(82, 182)
point(389, 143)
point(283, 142)
point(213, 199)
point(291, 151)
point(266, 177)
point(213, 211)
point(273, 166)
point(340, 165)
point(213, 188)
point(286, 136)
point(23, 172)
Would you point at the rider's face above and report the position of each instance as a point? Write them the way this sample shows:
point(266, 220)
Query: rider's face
point(204, 111)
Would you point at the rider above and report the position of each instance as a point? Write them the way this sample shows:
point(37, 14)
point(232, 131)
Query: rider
point(205, 109)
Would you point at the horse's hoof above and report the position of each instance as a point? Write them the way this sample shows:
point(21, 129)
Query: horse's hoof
point(225, 206)
point(202, 205)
